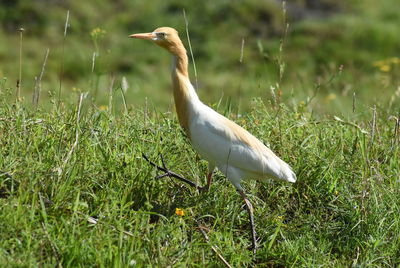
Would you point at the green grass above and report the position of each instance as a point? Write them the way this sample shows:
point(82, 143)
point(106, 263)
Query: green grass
point(343, 211)
point(75, 190)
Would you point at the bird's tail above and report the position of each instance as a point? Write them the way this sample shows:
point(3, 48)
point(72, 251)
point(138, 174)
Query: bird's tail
point(287, 173)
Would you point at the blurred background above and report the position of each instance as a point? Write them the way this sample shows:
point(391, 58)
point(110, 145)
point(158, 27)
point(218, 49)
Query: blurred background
point(309, 54)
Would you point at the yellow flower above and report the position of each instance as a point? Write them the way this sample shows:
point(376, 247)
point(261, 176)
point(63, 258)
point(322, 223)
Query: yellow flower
point(384, 68)
point(386, 64)
point(179, 212)
point(395, 60)
point(330, 97)
point(97, 32)
point(103, 107)
point(336, 192)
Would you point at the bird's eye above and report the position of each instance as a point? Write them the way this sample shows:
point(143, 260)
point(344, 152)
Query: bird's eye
point(161, 35)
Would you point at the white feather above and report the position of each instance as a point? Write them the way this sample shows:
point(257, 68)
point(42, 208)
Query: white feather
point(239, 157)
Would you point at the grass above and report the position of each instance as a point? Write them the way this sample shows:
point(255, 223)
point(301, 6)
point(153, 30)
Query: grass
point(96, 202)
point(76, 192)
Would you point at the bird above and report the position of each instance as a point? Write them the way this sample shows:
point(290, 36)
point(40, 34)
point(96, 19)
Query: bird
point(224, 144)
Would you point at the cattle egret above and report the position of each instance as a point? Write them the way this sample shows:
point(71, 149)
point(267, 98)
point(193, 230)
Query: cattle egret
point(223, 143)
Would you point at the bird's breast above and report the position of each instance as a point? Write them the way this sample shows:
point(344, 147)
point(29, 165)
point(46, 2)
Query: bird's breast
point(204, 139)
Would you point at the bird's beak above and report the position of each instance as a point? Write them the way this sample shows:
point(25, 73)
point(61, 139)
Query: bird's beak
point(146, 36)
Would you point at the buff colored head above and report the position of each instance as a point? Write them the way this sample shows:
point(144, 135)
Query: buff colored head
point(165, 37)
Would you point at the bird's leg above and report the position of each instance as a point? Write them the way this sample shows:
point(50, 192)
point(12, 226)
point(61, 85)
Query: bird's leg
point(209, 180)
point(211, 168)
point(251, 217)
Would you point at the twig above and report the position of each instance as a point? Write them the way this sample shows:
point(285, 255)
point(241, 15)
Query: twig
point(170, 173)
point(201, 229)
point(162, 161)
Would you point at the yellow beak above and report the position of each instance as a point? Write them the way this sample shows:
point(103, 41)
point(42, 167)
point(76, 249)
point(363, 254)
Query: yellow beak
point(146, 36)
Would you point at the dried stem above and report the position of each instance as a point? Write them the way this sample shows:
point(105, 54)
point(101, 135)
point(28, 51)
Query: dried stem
point(124, 87)
point(110, 93)
point(19, 82)
point(169, 173)
point(241, 52)
point(78, 116)
point(396, 130)
point(38, 82)
point(373, 127)
point(190, 47)
point(214, 249)
point(62, 57)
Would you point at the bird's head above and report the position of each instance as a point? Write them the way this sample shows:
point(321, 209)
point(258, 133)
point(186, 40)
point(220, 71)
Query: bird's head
point(165, 37)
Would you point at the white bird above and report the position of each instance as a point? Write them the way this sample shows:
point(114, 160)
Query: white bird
point(223, 143)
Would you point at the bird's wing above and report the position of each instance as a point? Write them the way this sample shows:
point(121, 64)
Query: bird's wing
point(222, 141)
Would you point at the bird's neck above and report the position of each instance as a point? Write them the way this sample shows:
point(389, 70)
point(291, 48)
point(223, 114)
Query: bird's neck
point(184, 93)
point(181, 62)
